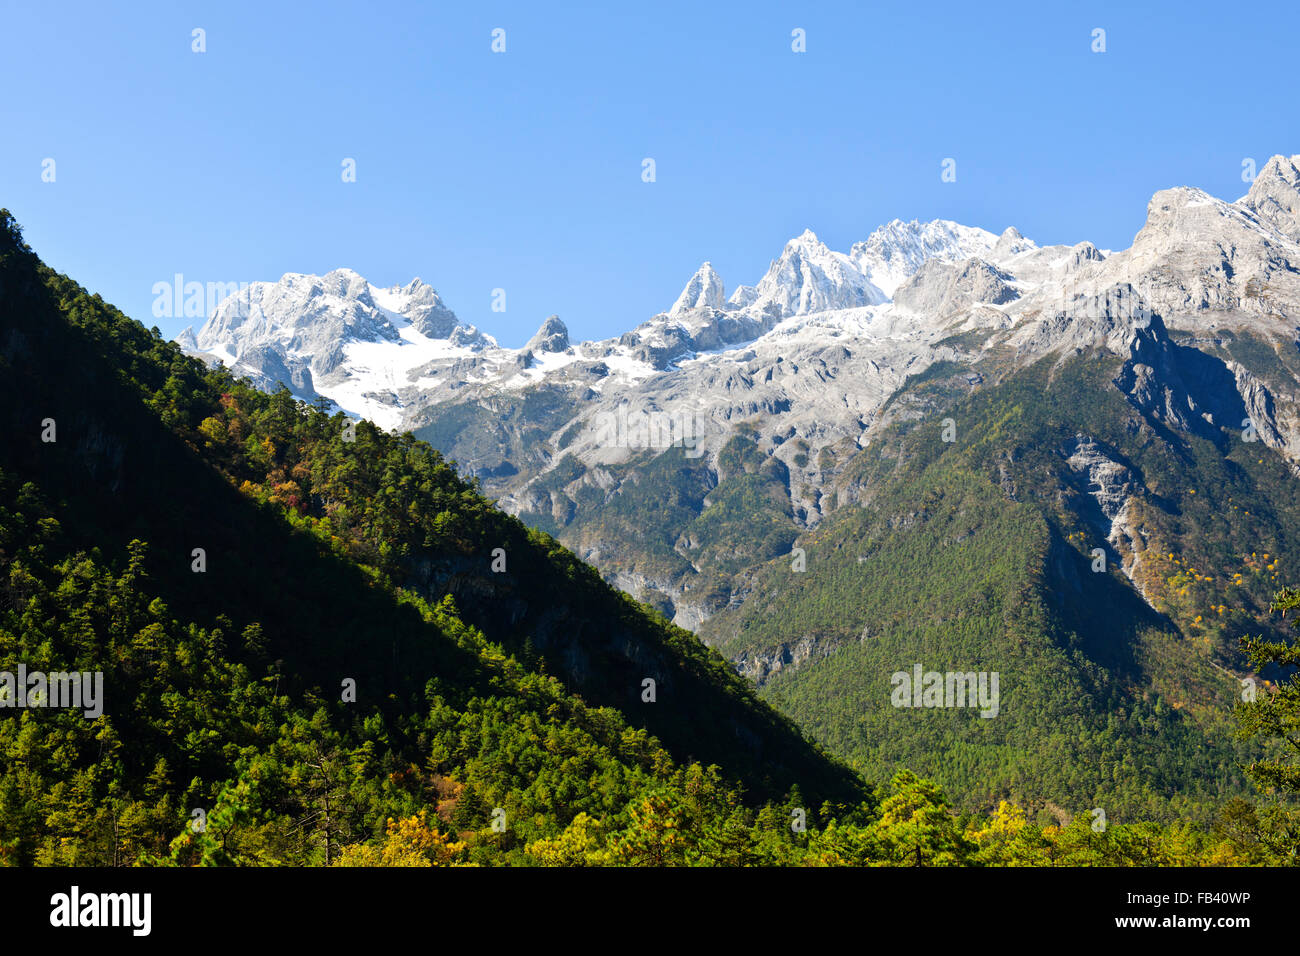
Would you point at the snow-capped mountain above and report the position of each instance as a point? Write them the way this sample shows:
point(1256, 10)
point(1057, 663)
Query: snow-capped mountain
point(809, 278)
point(814, 348)
point(891, 254)
point(335, 335)
point(388, 353)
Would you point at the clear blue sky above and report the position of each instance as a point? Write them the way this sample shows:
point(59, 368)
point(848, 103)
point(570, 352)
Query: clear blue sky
point(522, 170)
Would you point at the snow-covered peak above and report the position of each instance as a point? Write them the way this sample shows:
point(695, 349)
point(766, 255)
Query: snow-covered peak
point(809, 277)
point(303, 329)
point(421, 304)
point(340, 303)
point(743, 297)
point(705, 289)
point(808, 239)
point(892, 253)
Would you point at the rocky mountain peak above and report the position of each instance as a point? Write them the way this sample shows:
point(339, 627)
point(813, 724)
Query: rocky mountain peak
point(704, 290)
point(1012, 242)
point(553, 336)
point(941, 288)
point(1275, 195)
point(424, 308)
point(809, 277)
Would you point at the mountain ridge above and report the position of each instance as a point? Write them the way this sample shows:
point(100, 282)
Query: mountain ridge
point(124, 544)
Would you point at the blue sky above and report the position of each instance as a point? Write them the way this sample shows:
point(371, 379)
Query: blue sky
point(523, 170)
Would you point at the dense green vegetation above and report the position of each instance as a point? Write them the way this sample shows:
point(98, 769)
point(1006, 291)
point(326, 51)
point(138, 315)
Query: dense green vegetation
point(976, 554)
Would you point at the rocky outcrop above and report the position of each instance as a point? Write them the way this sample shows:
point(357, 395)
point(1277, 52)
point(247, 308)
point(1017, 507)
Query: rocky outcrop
point(941, 288)
point(553, 336)
point(1113, 486)
point(760, 667)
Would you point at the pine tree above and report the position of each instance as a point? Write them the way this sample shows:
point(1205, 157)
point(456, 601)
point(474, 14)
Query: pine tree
point(1275, 717)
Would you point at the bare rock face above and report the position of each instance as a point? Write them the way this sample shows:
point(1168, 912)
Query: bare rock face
point(1116, 319)
point(1108, 481)
point(941, 288)
point(1265, 421)
point(265, 365)
point(1114, 487)
point(1197, 254)
point(1082, 254)
point(760, 667)
point(1180, 386)
point(425, 309)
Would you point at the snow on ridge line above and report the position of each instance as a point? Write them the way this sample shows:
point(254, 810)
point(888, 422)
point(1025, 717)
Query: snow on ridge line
point(811, 277)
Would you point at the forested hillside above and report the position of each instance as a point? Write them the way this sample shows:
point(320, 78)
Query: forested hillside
point(323, 551)
point(990, 552)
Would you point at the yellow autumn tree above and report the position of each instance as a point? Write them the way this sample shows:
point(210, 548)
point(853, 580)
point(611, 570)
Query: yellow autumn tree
point(410, 842)
point(579, 845)
point(1007, 839)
